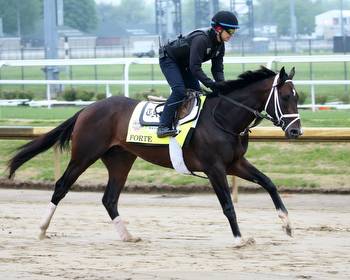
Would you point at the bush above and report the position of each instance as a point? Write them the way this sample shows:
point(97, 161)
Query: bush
point(321, 99)
point(16, 94)
point(140, 95)
point(9, 95)
point(85, 95)
point(100, 96)
point(302, 97)
point(143, 95)
point(22, 94)
point(70, 94)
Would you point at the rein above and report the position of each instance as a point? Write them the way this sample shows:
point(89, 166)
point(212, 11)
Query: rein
point(258, 117)
point(278, 121)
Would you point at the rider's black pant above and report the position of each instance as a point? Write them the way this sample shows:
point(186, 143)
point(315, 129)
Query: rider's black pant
point(179, 78)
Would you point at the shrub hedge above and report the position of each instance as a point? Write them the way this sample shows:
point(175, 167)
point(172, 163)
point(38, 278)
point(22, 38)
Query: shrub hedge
point(16, 94)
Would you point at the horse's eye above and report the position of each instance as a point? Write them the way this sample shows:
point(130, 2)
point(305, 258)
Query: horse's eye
point(285, 97)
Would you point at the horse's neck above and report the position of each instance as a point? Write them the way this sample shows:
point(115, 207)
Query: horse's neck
point(253, 98)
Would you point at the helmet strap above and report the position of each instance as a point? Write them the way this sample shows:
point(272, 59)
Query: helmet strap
point(219, 30)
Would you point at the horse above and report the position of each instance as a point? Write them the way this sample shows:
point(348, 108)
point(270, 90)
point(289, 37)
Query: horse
point(217, 146)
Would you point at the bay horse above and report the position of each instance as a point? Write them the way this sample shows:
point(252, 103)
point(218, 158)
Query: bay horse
point(217, 146)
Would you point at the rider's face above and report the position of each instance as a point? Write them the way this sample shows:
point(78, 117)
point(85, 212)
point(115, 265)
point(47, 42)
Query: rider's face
point(225, 36)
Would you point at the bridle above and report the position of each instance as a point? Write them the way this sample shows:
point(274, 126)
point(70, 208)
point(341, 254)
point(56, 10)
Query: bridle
point(279, 116)
point(278, 120)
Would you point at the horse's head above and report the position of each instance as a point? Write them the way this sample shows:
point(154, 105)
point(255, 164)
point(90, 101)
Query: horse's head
point(282, 103)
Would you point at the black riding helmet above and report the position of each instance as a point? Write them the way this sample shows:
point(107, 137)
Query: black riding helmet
point(226, 20)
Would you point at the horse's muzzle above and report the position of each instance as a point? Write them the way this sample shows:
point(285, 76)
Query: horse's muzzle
point(294, 133)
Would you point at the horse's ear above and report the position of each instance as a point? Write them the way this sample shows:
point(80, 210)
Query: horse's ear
point(282, 76)
point(291, 74)
point(282, 72)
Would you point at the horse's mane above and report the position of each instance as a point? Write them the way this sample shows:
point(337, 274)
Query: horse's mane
point(247, 78)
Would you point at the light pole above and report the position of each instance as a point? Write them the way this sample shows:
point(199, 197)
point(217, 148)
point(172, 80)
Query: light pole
point(293, 24)
point(342, 25)
point(344, 45)
point(51, 40)
point(18, 14)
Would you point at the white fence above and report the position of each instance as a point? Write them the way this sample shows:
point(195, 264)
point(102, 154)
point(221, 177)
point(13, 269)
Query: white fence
point(263, 60)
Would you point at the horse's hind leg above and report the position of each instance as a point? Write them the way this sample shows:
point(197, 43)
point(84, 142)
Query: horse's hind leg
point(74, 169)
point(247, 171)
point(118, 163)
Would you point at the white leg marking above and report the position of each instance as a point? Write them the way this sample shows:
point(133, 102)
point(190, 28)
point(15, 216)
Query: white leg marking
point(124, 234)
point(238, 241)
point(46, 221)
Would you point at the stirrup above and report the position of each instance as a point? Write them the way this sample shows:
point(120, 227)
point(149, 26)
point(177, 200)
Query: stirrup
point(164, 131)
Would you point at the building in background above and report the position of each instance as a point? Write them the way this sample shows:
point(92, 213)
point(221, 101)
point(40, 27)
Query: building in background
point(328, 24)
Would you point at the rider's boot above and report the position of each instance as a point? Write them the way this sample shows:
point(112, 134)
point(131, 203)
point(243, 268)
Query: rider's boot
point(165, 128)
point(165, 131)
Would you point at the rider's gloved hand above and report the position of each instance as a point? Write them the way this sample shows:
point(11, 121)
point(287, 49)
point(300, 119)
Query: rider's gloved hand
point(216, 88)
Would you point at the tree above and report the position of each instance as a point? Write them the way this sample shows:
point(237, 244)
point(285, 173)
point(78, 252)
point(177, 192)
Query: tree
point(128, 14)
point(188, 18)
point(275, 12)
point(333, 5)
point(28, 12)
point(77, 14)
point(133, 12)
point(80, 14)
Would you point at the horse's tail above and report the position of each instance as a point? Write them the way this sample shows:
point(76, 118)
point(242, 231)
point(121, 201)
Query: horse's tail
point(60, 135)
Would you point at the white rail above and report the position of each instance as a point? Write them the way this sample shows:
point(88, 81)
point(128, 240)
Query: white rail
point(266, 60)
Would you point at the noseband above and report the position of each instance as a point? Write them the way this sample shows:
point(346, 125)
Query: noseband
point(279, 116)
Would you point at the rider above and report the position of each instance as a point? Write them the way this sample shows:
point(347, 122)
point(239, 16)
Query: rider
point(181, 63)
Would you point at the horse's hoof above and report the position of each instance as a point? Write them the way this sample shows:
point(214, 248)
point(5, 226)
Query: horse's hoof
point(288, 229)
point(133, 239)
point(241, 242)
point(42, 235)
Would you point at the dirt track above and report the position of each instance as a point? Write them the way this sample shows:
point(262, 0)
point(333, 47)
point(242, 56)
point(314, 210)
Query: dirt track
point(184, 237)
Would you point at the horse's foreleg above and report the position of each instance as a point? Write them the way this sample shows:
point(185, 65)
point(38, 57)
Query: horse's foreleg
point(118, 163)
point(217, 177)
point(247, 171)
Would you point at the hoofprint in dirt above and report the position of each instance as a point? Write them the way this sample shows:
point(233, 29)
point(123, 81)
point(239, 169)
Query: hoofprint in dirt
point(183, 237)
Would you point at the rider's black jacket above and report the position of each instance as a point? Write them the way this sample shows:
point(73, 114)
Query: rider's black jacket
point(195, 48)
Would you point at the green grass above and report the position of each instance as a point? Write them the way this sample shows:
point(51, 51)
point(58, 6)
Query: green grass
point(33, 113)
point(332, 118)
point(291, 165)
point(23, 115)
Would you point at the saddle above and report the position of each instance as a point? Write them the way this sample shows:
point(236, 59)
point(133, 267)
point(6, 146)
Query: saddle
point(187, 105)
point(143, 123)
point(186, 112)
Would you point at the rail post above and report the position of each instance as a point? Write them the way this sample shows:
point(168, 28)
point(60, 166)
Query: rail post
point(48, 95)
point(108, 91)
point(313, 99)
point(126, 78)
point(234, 189)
